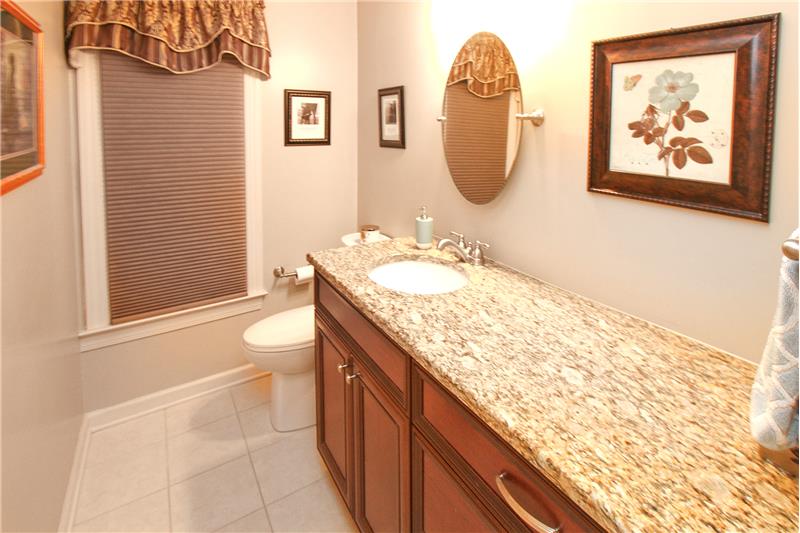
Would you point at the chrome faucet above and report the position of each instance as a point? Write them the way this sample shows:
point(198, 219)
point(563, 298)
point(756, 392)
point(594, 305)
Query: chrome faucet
point(467, 252)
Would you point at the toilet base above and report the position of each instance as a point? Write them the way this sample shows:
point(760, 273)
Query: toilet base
point(293, 401)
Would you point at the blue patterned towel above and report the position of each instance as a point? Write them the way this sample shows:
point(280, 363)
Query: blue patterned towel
point(773, 407)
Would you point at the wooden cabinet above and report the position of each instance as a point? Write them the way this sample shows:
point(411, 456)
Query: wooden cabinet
point(454, 474)
point(363, 429)
point(381, 447)
point(334, 409)
point(518, 495)
point(440, 501)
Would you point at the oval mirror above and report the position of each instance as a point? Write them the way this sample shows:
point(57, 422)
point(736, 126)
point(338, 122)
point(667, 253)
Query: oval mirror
point(480, 131)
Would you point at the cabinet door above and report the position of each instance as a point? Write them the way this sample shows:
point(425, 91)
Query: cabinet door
point(441, 504)
point(334, 409)
point(382, 458)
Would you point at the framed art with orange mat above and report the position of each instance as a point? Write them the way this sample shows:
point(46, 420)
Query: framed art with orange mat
point(22, 113)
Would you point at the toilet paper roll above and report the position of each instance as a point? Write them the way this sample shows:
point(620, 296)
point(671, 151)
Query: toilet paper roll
point(305, 274)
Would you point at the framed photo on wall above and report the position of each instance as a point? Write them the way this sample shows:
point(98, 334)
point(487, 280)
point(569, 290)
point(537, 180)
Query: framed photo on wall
point(307, 117)
point(22, 113)
point(684, 116)
point(391, 118)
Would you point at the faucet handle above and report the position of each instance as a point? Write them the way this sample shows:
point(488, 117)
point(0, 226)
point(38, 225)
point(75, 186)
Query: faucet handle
point(477, 251)
point(460, 237)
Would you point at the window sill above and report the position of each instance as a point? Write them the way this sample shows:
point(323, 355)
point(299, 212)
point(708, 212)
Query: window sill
point(147, 327)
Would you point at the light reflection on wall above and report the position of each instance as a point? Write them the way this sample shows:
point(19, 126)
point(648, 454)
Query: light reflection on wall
point(529, 28)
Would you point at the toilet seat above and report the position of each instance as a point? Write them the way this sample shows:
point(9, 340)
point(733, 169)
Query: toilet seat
point(289, 330)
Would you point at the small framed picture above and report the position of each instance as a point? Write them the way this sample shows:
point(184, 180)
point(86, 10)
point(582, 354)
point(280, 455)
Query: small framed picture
point(684, 116)
point(307, 117)
point(22, 115)
point(391, 117)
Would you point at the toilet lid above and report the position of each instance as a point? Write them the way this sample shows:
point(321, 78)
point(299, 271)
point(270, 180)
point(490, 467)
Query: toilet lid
point(287, 330)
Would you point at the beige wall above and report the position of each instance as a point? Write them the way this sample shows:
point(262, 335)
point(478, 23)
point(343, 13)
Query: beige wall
point(309, 202)
point(708, 276)
point(41, 394)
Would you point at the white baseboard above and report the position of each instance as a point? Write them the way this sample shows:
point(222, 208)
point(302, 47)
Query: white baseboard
point(109, 416)
point(75, 477)
point(142, 405)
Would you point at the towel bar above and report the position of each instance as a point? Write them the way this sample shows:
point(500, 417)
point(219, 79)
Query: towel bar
point(790, 249)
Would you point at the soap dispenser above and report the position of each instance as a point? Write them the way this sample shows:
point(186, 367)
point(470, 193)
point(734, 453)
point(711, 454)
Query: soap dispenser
point(424, 230)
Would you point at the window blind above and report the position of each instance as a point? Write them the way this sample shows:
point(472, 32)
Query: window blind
point(475, 144)
point(175, 187)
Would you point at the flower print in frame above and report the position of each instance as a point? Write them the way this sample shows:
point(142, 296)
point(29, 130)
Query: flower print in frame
point(676, 119)
point(663, 126)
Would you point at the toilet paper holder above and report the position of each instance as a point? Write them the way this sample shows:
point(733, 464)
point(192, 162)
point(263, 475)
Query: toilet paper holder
point(280, 272)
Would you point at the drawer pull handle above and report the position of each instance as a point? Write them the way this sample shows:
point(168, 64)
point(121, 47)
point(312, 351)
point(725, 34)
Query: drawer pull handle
point(349, 378)
point(342, 366)
point(532, 522)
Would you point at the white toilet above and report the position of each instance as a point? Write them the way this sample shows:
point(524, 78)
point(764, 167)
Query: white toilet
point(284, 345)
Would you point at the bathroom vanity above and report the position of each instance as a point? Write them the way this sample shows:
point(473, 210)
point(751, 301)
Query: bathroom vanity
point(510, 404)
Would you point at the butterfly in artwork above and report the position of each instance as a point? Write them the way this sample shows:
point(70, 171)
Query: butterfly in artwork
point(631, 81)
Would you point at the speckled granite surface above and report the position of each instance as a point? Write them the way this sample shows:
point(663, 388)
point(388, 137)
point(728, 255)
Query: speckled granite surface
point(643, 428)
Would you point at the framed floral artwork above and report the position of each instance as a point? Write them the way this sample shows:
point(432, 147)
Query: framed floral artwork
point(391, 118)
point(307, 117)
point(684, 117)
point(22, 113)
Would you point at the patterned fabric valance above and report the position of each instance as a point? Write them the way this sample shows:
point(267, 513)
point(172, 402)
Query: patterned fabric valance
point(181, 36)
point(486, 65)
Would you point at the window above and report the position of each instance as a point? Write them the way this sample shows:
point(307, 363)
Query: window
point(170, 196)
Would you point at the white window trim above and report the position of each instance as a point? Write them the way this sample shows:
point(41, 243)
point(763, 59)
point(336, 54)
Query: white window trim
point(97, 329)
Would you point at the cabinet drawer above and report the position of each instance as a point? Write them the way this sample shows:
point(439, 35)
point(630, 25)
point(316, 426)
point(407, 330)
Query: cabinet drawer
point(516, 492)
point(382, 358)
point(441, 504)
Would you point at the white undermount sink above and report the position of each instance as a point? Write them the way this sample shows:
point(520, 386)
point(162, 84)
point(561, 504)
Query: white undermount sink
point(418, 277)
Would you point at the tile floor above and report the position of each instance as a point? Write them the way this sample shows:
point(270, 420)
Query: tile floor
point(212, 463)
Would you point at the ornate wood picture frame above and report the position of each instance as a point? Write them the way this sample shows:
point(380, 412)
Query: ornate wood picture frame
point(307, 117)
point(22, 115)
point(685, 116)
point(391, 118)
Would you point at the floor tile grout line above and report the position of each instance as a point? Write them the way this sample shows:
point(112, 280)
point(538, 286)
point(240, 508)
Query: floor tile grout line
point(79, 490)
point(207, 470)
point(253, 407)
point(254, 450)
point(253, 469)
point(185, 431)
point(220, 528)
point(166, 439)
point(93, 432)
point(116, 458)
point(293, 492)
point(246, 452)
point(166, 450)
point(118, 507)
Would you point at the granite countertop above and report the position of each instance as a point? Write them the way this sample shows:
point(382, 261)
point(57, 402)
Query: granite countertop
point(645, 429)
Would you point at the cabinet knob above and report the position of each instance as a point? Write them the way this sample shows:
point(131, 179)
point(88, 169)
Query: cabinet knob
point(532, 522)
point(342, 366)
point(350, 377)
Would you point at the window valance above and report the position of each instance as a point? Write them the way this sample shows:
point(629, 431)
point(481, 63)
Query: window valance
point(486, 65)
point(181, 36)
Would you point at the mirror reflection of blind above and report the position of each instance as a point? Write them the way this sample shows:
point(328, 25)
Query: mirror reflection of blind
point(475, 139)
point(175, 187)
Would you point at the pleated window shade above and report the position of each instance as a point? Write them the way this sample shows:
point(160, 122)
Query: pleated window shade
point(175, 187)
point(475, 143)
